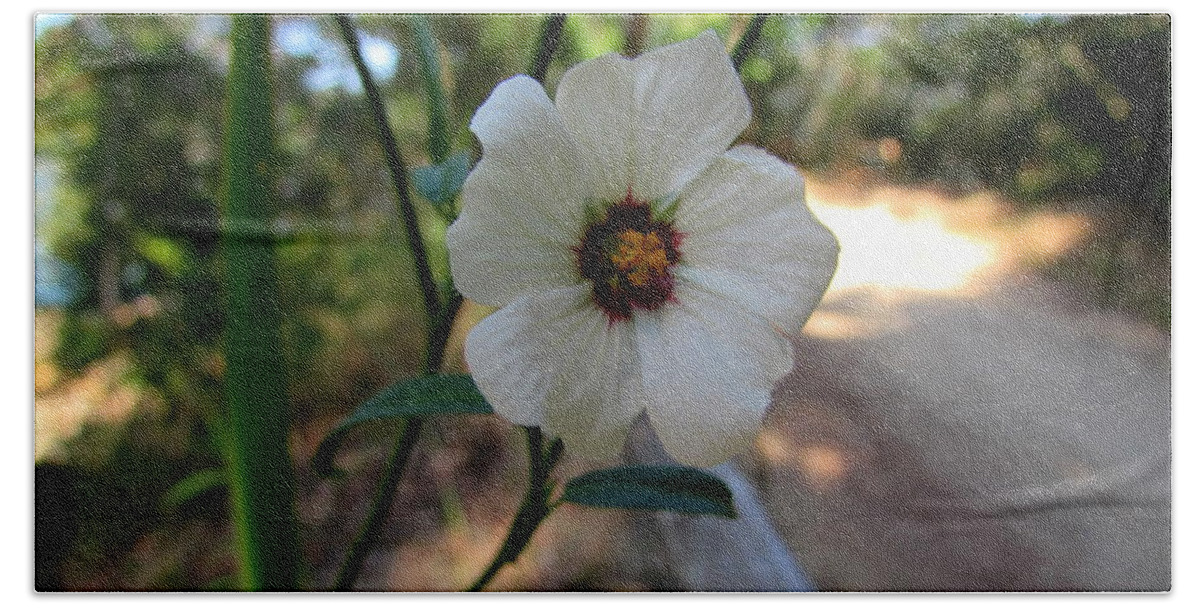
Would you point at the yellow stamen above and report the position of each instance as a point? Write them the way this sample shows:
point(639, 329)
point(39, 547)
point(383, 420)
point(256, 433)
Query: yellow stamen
point(640, 255)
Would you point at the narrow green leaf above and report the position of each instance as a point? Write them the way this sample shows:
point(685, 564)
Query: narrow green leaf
point(656, 488)
point(192, 486)
point(440, 183)
point(424, 396)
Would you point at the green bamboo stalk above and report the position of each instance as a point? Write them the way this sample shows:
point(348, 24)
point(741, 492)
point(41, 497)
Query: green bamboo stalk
point(255, 385)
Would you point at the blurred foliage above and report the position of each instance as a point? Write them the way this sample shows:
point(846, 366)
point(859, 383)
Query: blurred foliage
point(128, 114)
point(1040, 107)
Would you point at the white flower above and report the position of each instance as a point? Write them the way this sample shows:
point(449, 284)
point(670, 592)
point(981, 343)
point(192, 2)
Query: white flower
point(637, 262)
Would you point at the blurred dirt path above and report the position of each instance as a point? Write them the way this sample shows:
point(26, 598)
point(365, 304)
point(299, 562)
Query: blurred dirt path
point(956, 423)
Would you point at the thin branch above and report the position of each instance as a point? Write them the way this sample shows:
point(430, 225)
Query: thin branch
point(398, 171)
point(441, 333)
point(749, 38)
point(385, 495)
point(548, 42)
point(533, 508)
point(530, 515)
point(440, 321)
point(385, 492)
point(635, 33)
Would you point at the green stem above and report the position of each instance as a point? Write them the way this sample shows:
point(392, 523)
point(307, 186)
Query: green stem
point(440, 335)
point(746, 43)
point(534, 508)
point(439, 327)
point(431, 70)
point(547, 43)
point(397, 170)
point(635, 34)
point(255, 385)
point(385, 494)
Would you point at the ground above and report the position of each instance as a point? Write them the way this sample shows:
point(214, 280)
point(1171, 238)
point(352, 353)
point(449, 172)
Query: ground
point(988, 430)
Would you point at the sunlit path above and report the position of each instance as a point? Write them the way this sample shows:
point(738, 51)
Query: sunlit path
point(955, 421)
point(918, 239)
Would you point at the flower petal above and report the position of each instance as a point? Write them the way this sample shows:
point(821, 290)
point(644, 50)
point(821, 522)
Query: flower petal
point(553, 360)
point(595, 99)
point(516, 354)
point(751, 238)
point(523, 204)
point(592, 407)
point(708, 369)
point(654, 122)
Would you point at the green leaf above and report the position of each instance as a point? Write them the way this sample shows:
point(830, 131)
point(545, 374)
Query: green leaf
point(656, 488)
point(192, 486)
point(440, 183)
point(164, 253)
point(424, 396)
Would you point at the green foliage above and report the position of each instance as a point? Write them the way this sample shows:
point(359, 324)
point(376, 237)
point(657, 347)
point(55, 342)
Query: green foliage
point(431, 70)
point(95, 508)
point(656, 488)
point(423, 396)
point(1038, 108)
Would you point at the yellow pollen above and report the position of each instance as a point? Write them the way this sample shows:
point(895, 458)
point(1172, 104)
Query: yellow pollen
point(640, 255)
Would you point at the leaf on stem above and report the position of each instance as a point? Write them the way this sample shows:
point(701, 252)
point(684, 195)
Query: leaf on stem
point(657, 488)
point(440, 183)
point(424, 396)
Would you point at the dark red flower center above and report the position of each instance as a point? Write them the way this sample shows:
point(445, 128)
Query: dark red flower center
point(628, 256)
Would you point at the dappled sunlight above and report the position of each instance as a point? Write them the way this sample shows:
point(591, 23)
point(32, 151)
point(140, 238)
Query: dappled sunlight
point(822, 466)
point(98, 396)
point(904, 242)
point(882, 249)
